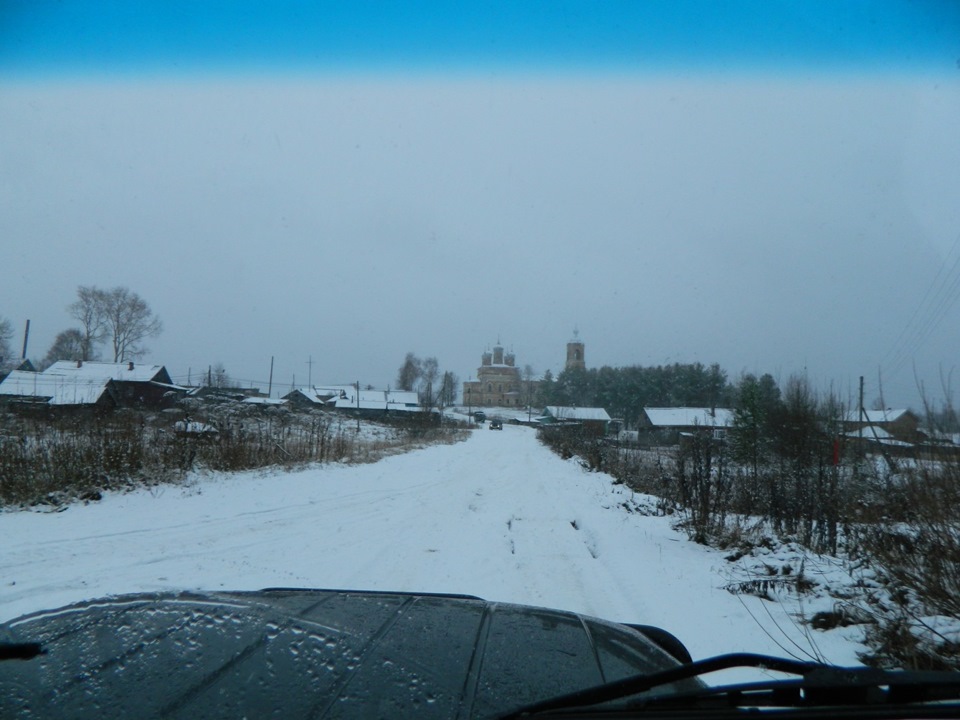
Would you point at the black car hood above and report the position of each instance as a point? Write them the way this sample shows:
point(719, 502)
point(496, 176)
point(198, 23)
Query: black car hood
point(309, 653)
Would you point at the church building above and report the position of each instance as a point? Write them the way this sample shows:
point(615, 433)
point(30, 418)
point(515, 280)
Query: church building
point(498, 381)
point(500, 384)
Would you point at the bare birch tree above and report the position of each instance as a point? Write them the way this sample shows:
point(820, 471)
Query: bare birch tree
point(87, 310)
point(6, 335)
point(119, 315)
point(128, 321)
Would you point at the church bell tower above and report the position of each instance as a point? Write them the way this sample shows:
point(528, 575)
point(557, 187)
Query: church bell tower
point(575, 356)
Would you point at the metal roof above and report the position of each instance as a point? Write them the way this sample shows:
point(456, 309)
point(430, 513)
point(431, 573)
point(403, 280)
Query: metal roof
point(95, 370)
point(559, 412)
point(60, 389)
point(690, 417)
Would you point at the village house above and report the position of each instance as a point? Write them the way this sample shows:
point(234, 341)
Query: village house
point(100, 385)
point(592, 420)
point(902, 425)
point(369, 403)
point(310, 398)
point(24, 390)
point(668, 424)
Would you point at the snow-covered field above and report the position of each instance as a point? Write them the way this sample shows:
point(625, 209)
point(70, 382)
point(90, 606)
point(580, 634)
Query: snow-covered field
point(497, 516)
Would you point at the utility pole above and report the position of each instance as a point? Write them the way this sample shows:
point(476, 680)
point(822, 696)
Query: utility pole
point(270, 382)
point(310, 371)
point(860, 414)
point(358, 406)
point(26, 336)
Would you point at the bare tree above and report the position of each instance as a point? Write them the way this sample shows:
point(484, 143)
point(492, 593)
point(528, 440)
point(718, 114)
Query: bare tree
point(409, 373)
point(429, 372)
point(528, 387)
point(216, 376)
point(128, 321)
point(6, 335)
point(448, 389)
point(88, 311)
point(68, 345)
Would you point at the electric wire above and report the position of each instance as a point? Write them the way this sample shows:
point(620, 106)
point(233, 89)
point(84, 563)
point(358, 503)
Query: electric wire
point(941, 295)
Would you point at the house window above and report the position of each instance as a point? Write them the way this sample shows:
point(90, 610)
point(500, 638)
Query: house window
point(489, 387)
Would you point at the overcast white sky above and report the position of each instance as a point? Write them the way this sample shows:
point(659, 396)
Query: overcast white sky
point(770, 223)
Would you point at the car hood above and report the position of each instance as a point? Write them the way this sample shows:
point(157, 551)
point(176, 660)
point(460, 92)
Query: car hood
point(309, 653)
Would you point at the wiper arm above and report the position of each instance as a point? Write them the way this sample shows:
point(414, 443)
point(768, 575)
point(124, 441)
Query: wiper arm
point(824, 686)
point(819, 685)
point(636, 684)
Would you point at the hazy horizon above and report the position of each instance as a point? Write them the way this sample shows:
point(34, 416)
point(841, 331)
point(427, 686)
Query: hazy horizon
point(773, 191)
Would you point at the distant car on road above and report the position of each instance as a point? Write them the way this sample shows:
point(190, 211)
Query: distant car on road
point(480, 416)
point(496, 424)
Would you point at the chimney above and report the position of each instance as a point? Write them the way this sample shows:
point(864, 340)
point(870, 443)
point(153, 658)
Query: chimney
point(130, 365)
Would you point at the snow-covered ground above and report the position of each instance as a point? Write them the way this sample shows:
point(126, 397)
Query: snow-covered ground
point(497, 516)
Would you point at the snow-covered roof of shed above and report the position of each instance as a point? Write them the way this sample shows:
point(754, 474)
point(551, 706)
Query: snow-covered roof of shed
point(329, 390)
point(876, 416)
point(559, 412)
point(870, 432)
point(60, 389)
point(95, 370)
point(378, 400)
point(689, 417)
point(254, 400)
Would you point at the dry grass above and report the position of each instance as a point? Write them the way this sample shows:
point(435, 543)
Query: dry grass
point(64, 459)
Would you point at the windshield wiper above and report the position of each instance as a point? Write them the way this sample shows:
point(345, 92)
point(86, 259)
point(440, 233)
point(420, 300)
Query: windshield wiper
point(818, 686)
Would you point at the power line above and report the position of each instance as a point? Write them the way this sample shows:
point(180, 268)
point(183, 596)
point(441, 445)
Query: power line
point(940, 296)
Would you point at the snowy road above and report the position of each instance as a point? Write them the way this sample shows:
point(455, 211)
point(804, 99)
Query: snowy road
point(498, 516)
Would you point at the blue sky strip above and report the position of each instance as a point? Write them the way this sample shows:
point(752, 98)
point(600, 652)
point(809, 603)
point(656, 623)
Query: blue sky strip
point(181, 36)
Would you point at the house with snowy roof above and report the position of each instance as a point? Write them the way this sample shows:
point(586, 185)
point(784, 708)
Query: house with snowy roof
point(133, 384)
point(24, 389)
point(593, 420)
point(92, 384)
point(347, 398)
point(671, 422)
point(309, 397)
point(374, 402)
point(875, 435)
point(902, 424)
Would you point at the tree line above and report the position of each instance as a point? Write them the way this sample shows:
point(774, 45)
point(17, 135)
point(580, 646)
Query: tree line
point(625, 391)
